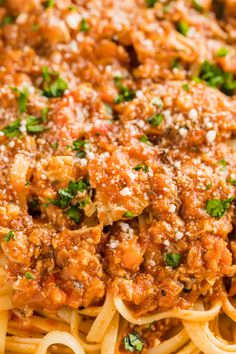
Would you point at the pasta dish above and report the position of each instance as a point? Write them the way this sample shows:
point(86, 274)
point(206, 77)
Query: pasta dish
point(117, 176)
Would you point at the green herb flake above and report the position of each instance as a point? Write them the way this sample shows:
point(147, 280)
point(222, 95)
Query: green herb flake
point(222, 52)
point(23, 99)
point(34, 126)
point(55, 145)
point(74, 214)
point(208, 186)
point(83, 203)
point(78, 146)
point(232, 181)
point(125, 94)
point(23, 96)
point(118, 99)
point(68, 193)
point(128, 214)
point(173, 259)
point(197, 79)
point(218, 78)
point(186, 87)
point(223, 163)
point(197, 6)
point(127, 345)
point(155, 120)
point(183, 28)
point(9, 236)
point(72, 8)
point(117, 77)
point(7, 20)
point(13, 129)
point(49, 3)
point(44, 114)
point(133, 342)
point(80, 154)
point(176, 64)
point(53, 85)
point(150, 3)
point(141, 166)
point(84, 27)
point(217, 207)
point(144, 139)
point(29, 276)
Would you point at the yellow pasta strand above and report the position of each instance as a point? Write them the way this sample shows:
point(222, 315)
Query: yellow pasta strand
point(57, 337)
point(190, 315)
point(102, 321)
point(3, 330)
point(109, 341)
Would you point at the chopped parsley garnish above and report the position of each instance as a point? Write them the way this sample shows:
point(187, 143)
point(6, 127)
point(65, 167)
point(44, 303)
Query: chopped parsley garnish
point(208, 186)
point(125, 94)
point(72, 8)
point(7, 20)
point(29, 276)
point(197, 79)
point(157, 101)
point(155, 120)
point(128, 214)
point(182, 27)
point(74, 214)
point(173, 259)
point(133, 342)
point(218, 78)
point(150, 3)
point(78, 146)
point(144, 139)
point(222, 52)
point(23, 96)
point(232, 181)
point(68, 193)
point(55, 145)
point(49, 3)
point(12, 129)
point(218, 207)
point(66, 199)
point(44, 114)
point(223, 163)
point(53, 84)
point(34, 126)
point(10, 235)
point(197, 6)
point(186, 87)
point(141, 166)
point(176, 64)
point(84, 27)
